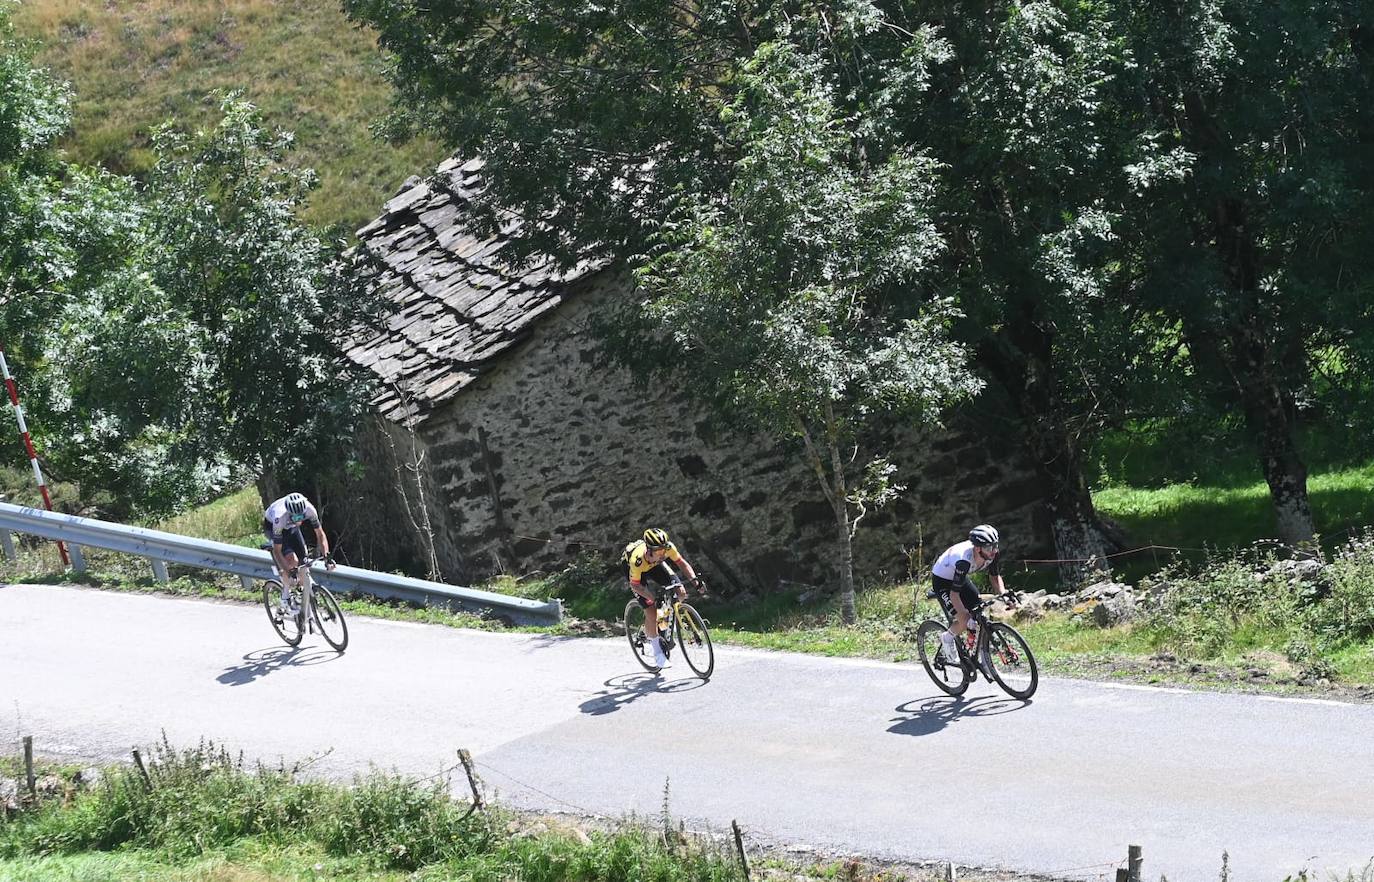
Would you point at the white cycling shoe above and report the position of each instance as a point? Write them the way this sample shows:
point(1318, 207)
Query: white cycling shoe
point(948, 649)
point(660, 660)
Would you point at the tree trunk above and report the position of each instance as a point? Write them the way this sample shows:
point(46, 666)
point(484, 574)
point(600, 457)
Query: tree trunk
point(1250, 353)
point(1268, 410)
point(1020, 359)
point(833, 486)
point(849, 613)
point(1081, 540)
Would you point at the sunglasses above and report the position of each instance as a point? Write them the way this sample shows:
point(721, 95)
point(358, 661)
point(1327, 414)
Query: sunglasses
point(297, 517)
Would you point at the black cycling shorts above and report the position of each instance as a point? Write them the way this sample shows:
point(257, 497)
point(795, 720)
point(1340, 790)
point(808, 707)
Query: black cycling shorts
point(291, 539)
point(967, 593)
point(659, 575)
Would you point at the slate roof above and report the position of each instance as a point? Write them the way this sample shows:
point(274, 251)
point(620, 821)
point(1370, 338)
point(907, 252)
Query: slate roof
point(455, 308)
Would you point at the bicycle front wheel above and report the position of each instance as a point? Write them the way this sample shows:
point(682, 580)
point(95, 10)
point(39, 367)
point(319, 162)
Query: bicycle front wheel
point(695, 641)
point(1011, 662)
point(952, 678)
point(329, 618)
point(284, 622)
point(634, 632)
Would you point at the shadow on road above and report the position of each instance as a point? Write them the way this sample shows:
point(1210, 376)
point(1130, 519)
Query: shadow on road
point(261, 662)
point(925, 716)
point(624, 689)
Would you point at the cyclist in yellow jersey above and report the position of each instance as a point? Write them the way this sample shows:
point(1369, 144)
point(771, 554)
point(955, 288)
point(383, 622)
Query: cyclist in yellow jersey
point(646, 558)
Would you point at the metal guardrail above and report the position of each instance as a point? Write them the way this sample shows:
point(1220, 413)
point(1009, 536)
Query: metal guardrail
point(250, 564)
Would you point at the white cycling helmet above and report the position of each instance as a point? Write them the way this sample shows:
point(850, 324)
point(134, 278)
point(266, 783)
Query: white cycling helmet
point(984, 535)
point(296, 503)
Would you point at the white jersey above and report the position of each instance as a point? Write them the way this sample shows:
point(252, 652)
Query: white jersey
point(279, 519)
point(958, 561)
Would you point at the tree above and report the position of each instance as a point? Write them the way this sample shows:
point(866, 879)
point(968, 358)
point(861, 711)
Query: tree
point(204, 349)
point(1246, 218)
point(1020, 116)
point(589, 116)
point(778, 294)
point(35, 260)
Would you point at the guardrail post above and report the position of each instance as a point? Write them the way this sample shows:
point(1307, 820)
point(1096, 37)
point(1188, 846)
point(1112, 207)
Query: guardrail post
point(159, 569)
point(246, 583)
point(78, 559)
point(7, 541)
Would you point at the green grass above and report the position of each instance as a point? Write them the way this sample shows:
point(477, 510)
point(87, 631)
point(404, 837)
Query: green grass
point(134, 65)
point(209, 817)
point(235, 518)
point(1196, 516)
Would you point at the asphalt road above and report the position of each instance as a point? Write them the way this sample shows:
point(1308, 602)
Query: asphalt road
point(857, 756)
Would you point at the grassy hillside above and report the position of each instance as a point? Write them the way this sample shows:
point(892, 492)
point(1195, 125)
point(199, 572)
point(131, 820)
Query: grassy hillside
point(135, 64)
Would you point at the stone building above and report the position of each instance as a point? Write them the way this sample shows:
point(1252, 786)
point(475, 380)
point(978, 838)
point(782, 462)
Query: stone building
point(502, 445)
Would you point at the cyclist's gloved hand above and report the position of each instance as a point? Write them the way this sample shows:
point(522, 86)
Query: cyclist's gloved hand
point(1010, 598)
point(329, 562)
point(699, 584)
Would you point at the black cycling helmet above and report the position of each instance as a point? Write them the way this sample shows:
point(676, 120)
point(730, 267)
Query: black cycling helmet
point(984, 535)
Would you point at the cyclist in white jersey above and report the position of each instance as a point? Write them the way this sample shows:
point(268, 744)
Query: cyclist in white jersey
point(951, 577)
point(281, 524)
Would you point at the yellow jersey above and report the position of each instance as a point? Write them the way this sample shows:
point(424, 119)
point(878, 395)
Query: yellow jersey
point(636, 559)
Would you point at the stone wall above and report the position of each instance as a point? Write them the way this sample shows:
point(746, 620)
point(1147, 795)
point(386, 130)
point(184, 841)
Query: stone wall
point(547, 454)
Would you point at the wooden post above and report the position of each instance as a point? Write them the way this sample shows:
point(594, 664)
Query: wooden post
point(466, 759)
point(950, 875)
point(29, 781)
point(159, 570)
point(1135, 864)
point(739, 847)
point(1123, 874)
point(142, 769)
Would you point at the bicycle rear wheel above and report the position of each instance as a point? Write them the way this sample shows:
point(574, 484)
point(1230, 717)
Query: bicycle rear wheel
point(1011, 662)
point(695, 641)
point(288, 627)
point(634, 632)
point(952, 679)
point(329, 618)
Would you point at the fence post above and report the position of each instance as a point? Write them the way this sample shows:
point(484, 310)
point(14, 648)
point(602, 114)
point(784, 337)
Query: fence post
point(78, 558)
point(1134, 862)
point(466, 759)
point(29, 781)
point(159, 569)
point(950, 875)
point(739, 847)
point(142, 770)
point(1123, 874)
point(7, 541)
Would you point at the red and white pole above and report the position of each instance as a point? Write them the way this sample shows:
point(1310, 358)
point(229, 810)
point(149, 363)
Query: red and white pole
point(28, 443)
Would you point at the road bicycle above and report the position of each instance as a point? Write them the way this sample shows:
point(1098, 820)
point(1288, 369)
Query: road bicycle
point(312, 608)
point(994, 649)
point(679, 625)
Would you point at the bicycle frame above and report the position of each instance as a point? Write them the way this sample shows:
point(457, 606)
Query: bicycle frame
point(968, 656)
point(307, 584)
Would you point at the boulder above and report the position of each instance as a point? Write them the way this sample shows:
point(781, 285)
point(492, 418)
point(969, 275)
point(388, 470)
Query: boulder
point(9, 796)
point(1103, 589)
